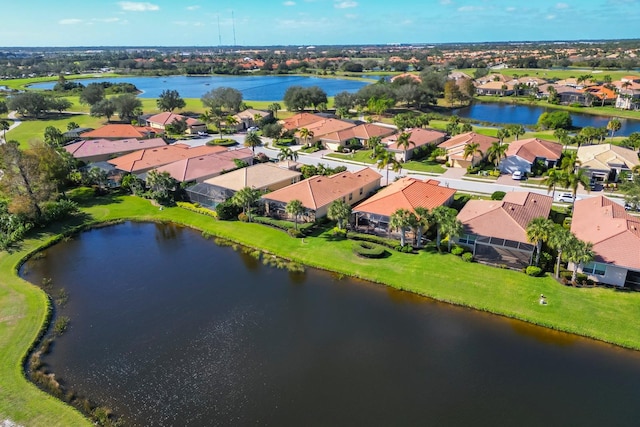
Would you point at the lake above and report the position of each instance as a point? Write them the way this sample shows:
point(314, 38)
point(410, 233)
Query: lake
point(168, 328)
point(254, 88)
point(528, 115)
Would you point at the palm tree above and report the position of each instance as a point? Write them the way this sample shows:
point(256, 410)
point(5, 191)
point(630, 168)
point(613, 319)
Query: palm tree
point(516, 130)
point(497, 152)
point(402, 219)
point(404, 142)
point(423, 222)
point(4, 125)
point(386, 159)
point(287, 153)
point(579, 253)
point(575, 179)
point(252, 140)
point(472, 149)
point(451, 228)
point(554, 178)
point(212, 116)
point(614, 125)
point(539, 231)
point(274, 107)
point(562, 135)
point(294, 208)
point(246, 198)
point(230, 122)
point(502, 134)
point(441, 216)
point(569, 161)
point(306, 135)
point(374, 141)
point(340, 212)
point(559, 239)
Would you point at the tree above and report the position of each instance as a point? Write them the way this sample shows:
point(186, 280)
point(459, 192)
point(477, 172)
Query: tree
point(402, 220)
point(246, 198)
point(575, 179)
point(295, 208)
point(4, 126)
point(126, 106)
point(72, 125)
point(223, 98)
point(502, 134)
point(538, 232)
point(99, 177)
point(614, 126)
point(516, 130)
point(554, 178)
point(344, 100)
point(29, 103)
point(340, 212)
point(92, 94)
point(444, 219)
point(105, 108)
point(562, 135)
point(306, 135)
point(252, 140)
point(274, 108)
point(287, 153)
point(53, 136)
point(423, 222)
point(496, 152)
point(452, 93)
point(231, 122)
point(295, 98)
point(169, 100)
point(386, 159)
point(555, 120)
point(471, 149)
point(59, 104)
point(578, 253)
point(161, 185)
point(559, 239)
point(404, 141)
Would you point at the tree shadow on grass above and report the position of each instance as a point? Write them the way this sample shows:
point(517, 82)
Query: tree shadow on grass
point(86, 197)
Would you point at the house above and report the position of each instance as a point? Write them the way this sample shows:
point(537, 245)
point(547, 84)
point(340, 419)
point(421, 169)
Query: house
point(605, 162)
point(161, 120)
point(318, 192)
point(615, 236)
point(250, 118)
point(300, 120)
point(569, 95)
point(361, 133)
point(521, 155)
point(496, 88)
point(628, 93)
point(207, 166)
point(496, 229)
point(99, 150)
point(575, 82)
point(408, 76)
point(323, 127)
point(455, 146)
point(418, 140)
point(75, 133)
point(142, 161)
point(602, 94)
point(121, 131)
point(373, 214)
point(263, 176)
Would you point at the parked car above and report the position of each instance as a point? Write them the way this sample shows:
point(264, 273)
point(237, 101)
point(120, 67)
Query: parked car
point(201, 133)
point(517, 175)
point(253, 129)
point(565, 197)
point(631, 207)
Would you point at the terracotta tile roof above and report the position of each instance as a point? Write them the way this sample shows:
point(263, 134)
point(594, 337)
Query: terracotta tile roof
point(507, 218)
point(614, 233)
point(142, 160)
point(249, 113)
point(167, 118)
point(468, 138)
point(119, 131)
point(327, 126)
point(419, 137)
point(196, 168)
point(601, 92)
point(532, 148)
point(603, 156)
point(300, 120)
point(414, 77)
point(260, 176)
point(319, 191)
point(363, 132)
point(98, 147)
point(406, 193)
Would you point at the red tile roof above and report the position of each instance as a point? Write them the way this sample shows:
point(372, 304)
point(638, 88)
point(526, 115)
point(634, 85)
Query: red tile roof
point(102, 147)
point(363, 132)
point(419, 137)
point(143, 160)
point(532, 148)
point(614, 233)
point(206, 166)
point(166, 118)
point(300, 120)
point(406, 193)
point(121, 131)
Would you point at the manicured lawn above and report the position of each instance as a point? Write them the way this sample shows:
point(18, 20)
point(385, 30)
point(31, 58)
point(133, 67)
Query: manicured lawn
point(423, 166)
point(31, 130)
point(601, 313)
point(362, 156)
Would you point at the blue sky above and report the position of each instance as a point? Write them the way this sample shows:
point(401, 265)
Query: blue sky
point(311, 22)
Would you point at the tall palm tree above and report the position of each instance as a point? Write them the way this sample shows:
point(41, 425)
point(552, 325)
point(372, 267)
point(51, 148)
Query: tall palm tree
point(497, 152)
point(402, 219)
point(441, 216)
point(575, 179)
point(502, 134)
point(613, 126)
point(4, 126)
point(287, 153)
point(563, 136)
point(539, 231)
point(386, 159)
point(253, 140)
point(559, 239)
point(340, 212)
point(579, 253)
point(230, 121)
point(554, 178)
point(471, 149)
point(374, 141)
point(423, 222)
point(274, 107)
point(451, 228)
point(404, 142)
point(306, 135)
point(569, 161)
point(516, 130)
point(246, 198)
point(295, 208)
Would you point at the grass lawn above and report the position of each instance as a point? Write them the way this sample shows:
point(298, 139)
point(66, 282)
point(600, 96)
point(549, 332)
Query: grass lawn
point(362, 156)
point(34, 129)
point(423, 166)
point(601, 313)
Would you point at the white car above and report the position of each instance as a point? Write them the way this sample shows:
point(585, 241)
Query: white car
point(517, 175)
point(564, 197)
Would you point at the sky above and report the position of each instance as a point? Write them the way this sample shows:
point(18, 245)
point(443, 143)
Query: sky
point(311, 22)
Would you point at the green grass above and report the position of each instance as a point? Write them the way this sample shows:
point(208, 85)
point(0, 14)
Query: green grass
point(601, 313)
point(31, 130)
point(362, 156)
point(423, 166)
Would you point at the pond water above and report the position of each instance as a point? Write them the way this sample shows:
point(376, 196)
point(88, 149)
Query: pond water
point(529, 114)
point(254, 88)
point(169, 329)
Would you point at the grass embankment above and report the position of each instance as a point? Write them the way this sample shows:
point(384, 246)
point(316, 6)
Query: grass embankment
point(22, 84)
point(600, 313)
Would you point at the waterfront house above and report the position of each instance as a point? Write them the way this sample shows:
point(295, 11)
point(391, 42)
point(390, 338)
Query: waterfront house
point(455, 146)
point(361, 133)
point(162, 120)
point(605, 162)
point(250, 117)
point(615, 236)
point(318, 192)
point(496, 229)
point(300, 120)
point(521, 155)
point(99, 150)
point(121, 131)
point(207, 166)
point(419, 140)
point(142, 161)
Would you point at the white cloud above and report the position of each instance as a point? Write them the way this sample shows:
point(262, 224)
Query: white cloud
point(193, 7)
point(108, 20)
point(511, 9)
point(550, 17)
point(289, 3)
point(70, 21)
point(445, 2)
point(562, 6)
point(132, 6)
point(469, 8)
point(345, 4)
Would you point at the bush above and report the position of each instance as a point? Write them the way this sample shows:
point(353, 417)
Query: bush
point(369, 250)
point(498, 195)
point(227, 210)
point(243, 217)
point(293, 232)
point(405, 249)
point(389, 243)
point(533, 271)
point(53, 211)
point(193, 207)
point(224, 142)
point(457, 250)
point(467, 257)
point(495, 173)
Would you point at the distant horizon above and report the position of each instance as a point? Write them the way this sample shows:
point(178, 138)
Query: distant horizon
point(254, 23)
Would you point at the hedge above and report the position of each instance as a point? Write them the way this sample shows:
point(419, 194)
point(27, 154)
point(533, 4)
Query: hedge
point(225, 142)
point(369, 250)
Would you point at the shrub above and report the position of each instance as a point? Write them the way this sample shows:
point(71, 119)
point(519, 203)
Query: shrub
point(227, 210)
point(389, 243)
point(457, 250)
point(339, 232)
point(369, 250)
point(224, 142)
point(243, 217)
point(293, 232)
point(53, 211)
point(194, 207)
point(495, 173)
point(533, 271)
point(406, 248)
point(498, 195)
point(467, 257)
point(61, 325)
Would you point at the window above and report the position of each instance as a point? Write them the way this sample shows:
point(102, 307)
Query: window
point(467, 239)
point(361, 191)
point(595, 268)
point(350, 196)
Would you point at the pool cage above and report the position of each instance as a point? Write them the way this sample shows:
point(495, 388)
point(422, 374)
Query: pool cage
point(207, 195)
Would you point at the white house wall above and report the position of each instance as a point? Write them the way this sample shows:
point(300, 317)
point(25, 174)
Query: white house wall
point(514, 163)
point(614, 275)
